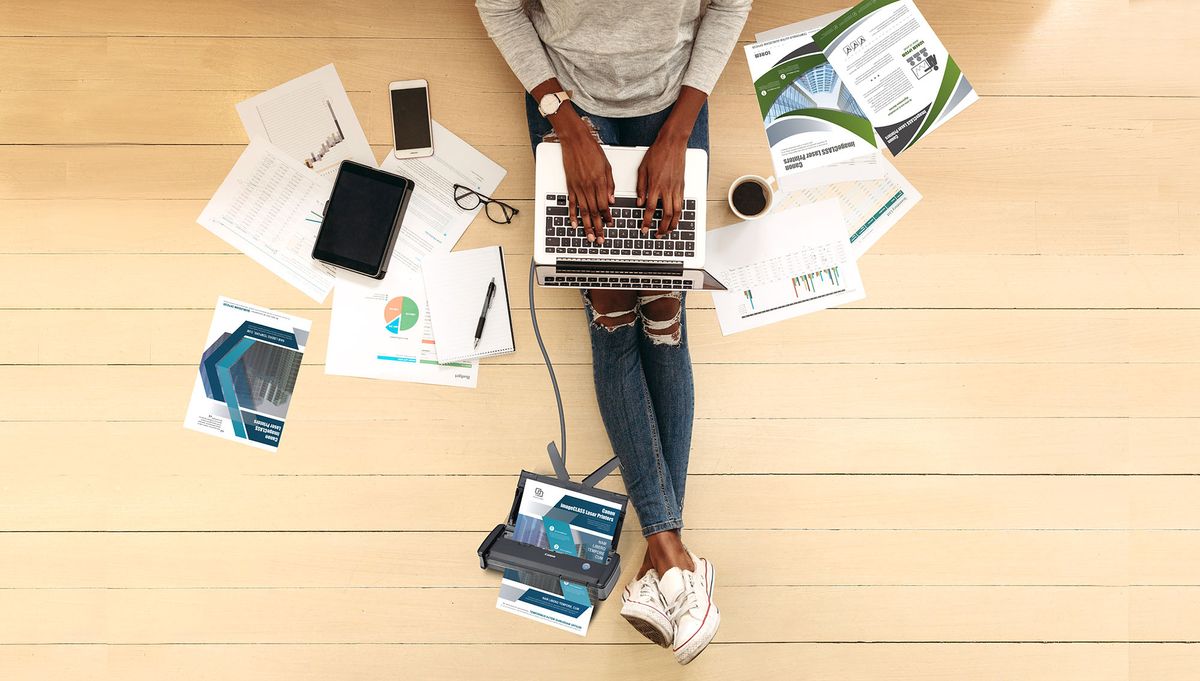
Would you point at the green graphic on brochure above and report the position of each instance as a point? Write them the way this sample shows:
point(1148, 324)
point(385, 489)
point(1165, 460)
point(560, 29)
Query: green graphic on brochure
point(777, 85)
point(899, 69)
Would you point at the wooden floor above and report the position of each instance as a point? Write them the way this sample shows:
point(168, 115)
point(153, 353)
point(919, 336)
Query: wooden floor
point(987, 470)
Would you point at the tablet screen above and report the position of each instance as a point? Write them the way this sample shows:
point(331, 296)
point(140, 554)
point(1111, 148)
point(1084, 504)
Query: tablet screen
point(358, 222)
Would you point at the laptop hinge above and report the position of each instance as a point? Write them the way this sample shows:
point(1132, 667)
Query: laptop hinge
point(618, 267)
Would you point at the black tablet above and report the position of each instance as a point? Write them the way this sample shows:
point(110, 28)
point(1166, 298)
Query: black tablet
point(362, 219)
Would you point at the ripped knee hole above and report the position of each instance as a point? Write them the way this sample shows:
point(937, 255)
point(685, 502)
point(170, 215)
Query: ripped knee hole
point(661, 317)
point(613, 320)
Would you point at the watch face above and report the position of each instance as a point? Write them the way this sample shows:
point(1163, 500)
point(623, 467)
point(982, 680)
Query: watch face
point(549, 104)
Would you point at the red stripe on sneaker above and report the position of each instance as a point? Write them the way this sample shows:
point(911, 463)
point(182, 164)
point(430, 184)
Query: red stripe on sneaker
point(708, 567)
point(697, 631)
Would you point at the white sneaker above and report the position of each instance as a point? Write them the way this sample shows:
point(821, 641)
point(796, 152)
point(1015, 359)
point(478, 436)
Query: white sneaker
point(643, 606)
point(689, 599)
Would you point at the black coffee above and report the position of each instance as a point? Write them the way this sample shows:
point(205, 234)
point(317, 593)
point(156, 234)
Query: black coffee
point(749, 198)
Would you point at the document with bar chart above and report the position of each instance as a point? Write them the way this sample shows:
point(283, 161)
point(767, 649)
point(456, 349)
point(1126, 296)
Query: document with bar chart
point(310, 118)
point(869, 207)
point(787, 264)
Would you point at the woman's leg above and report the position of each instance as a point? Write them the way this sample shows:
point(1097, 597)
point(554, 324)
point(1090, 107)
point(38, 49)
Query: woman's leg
point(667, 366)
point(627, 409)
point(641, 131)
point(625, 404)
point(666, 361)
point(665, 357)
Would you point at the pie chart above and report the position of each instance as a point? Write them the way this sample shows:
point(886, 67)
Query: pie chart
point(401, 314)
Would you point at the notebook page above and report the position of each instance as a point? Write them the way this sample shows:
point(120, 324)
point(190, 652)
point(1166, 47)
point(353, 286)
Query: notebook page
point(456, 285)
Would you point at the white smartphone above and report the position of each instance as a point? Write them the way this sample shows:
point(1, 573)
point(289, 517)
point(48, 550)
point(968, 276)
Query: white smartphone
point(412, 131)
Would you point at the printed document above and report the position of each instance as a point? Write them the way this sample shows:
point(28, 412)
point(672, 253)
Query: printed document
point(810, 117)
point(382, 329)
point(247, 374)
point(434, 221)
point(784, 265)
point(269, 207)
point(897, 69)
point(311, 119)
point(549, 600)
point(869, 207)
point(566, 521)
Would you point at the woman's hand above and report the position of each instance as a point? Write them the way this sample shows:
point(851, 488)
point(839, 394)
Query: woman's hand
point(660, 180)
point(590, 188)
point(660, 177)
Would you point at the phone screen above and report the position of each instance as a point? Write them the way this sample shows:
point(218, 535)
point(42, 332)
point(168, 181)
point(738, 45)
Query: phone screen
point(410, 118)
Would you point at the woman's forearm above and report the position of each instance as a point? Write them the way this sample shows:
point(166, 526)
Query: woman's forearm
point(681, 120)
point(566, 120)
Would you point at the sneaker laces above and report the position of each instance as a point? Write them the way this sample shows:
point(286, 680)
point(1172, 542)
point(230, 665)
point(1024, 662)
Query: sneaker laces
point(687, 599)
point(648, 590)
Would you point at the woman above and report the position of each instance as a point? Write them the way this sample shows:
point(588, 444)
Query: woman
point(633, 73)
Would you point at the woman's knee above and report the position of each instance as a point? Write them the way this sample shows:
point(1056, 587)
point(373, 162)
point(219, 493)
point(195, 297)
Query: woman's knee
point(612, 309)
point(662, 316)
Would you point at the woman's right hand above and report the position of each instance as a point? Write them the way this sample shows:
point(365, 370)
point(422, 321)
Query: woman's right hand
point(590, 188)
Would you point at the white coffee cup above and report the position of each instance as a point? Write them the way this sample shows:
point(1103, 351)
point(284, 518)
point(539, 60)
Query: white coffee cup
point(767, 191)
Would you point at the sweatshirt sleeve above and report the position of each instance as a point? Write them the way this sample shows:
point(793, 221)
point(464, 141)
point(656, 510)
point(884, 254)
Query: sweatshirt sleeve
point(514, 35)
point(718, 32)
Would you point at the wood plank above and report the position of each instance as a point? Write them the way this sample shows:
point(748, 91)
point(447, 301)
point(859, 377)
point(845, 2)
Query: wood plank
point(892, 281)
point(160, 393)
point(49, 337)
point(133, 502)
point(203, 560)
point(748, 614)
point(129, 172)
point(250, 18)
point(1002, 46)
point(1164, 661)
point(1050, 226)
point(1025, 124)
point(962, 446)
point(844, 661)
point(1145, 133)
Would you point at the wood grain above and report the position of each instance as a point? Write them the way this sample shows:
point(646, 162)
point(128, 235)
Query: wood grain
point(986, 470)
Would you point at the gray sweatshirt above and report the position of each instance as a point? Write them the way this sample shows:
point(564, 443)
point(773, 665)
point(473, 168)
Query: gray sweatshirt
point(620, 58)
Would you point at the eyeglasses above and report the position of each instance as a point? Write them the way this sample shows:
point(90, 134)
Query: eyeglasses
point(497, 211)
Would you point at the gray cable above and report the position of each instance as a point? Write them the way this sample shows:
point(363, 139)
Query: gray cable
point(562, 422)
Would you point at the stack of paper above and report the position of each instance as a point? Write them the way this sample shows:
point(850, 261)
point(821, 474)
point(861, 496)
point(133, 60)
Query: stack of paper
point(269, 206)
point(563, 521)
point(382, 329)
point(827, 87)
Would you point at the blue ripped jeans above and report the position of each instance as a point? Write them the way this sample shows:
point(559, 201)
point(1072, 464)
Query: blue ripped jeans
point(641, 366)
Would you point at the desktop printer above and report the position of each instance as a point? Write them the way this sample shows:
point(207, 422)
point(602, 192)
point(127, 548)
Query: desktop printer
point(596, 566)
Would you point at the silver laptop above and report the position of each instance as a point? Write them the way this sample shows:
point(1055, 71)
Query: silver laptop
point(564, 257)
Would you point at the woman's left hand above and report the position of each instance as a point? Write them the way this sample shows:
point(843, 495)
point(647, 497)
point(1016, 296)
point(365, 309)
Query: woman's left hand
point(660, 179)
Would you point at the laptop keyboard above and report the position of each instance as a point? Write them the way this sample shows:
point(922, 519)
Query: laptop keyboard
point(615, 281)
point(624, 236)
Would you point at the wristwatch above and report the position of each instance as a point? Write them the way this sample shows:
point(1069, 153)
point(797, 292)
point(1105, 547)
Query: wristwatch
point(551, 102)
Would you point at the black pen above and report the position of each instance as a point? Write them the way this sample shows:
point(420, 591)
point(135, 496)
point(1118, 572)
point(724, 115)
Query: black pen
point(487, 302)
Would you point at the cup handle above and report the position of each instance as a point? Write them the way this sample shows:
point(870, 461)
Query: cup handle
point(771, 181)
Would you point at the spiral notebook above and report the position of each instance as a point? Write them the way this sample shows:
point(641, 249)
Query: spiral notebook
point(456, 286)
